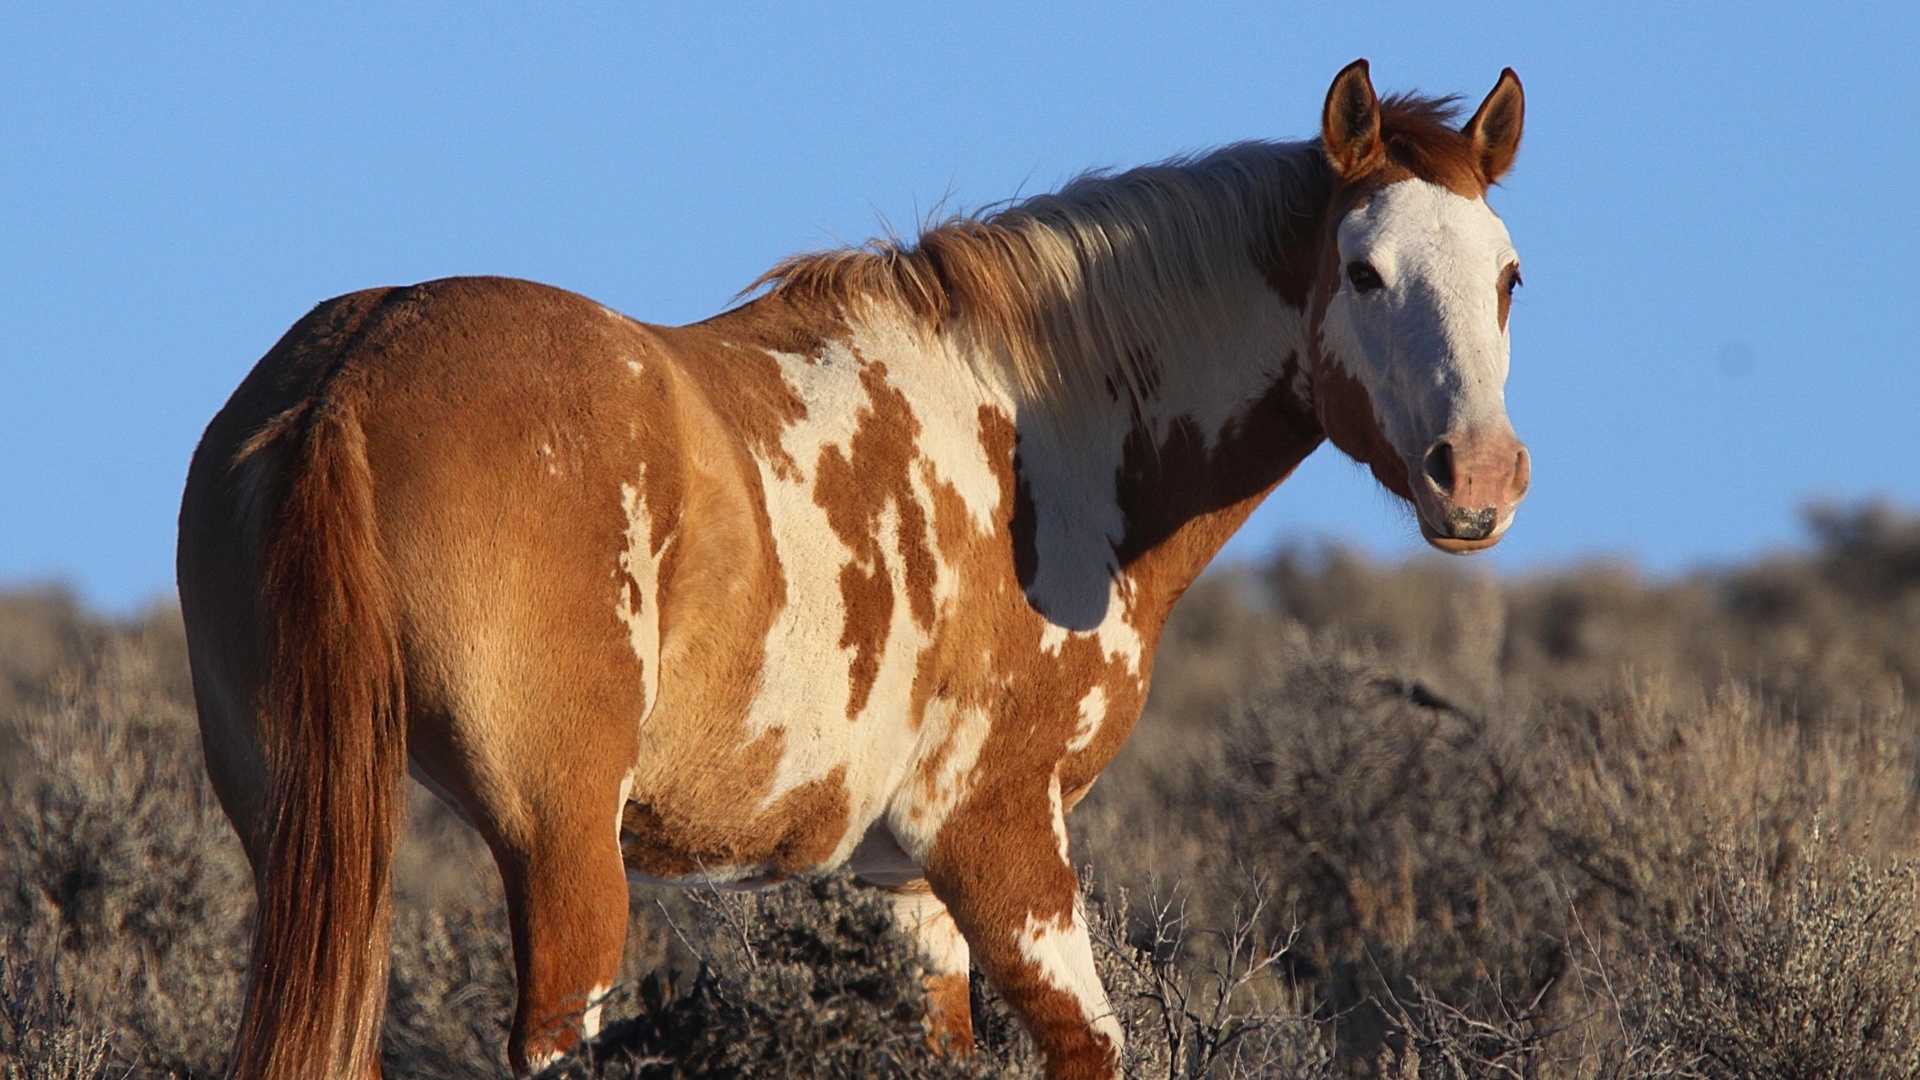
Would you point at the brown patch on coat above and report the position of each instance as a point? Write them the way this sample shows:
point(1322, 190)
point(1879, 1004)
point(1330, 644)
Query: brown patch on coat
point(1341, 403)
point(1180, 484)
point(1509, 279)
point(855, 486)
point(994, 862)
point(1347, 413)
point(741, 381)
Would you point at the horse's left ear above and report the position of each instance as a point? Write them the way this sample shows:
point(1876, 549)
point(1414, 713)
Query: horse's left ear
point(1494, 130)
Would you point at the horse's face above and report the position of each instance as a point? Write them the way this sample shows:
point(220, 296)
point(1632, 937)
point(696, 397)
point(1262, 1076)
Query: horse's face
point(1417, 279)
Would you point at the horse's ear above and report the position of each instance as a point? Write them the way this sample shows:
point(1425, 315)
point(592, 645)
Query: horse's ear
point(1494, 130)
point(1350, 122)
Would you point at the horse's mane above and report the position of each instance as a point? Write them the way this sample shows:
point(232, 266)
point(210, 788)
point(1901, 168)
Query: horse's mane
point(1071, 292)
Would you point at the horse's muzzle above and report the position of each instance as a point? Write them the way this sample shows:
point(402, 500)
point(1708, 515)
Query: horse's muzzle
point(1466, 488)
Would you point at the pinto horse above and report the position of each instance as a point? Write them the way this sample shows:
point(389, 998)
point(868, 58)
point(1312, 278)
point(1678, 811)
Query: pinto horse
point(867, 572)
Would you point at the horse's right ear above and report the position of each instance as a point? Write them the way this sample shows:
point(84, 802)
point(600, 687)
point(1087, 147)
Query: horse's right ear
point(1494, 130)
point(1350, 122)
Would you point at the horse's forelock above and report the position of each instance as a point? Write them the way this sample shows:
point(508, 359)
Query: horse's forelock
point(1423, 140)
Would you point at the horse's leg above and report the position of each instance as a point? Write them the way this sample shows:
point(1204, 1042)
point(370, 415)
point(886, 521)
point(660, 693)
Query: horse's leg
point(552, 829)
point(1000, 864)
point(567, 902)
point(949, 1011)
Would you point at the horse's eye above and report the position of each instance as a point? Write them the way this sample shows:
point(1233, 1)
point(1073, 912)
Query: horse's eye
point(1364, 277)
point(1513, 279)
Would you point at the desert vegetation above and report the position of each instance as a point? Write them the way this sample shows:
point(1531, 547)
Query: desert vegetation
point(1405, 820)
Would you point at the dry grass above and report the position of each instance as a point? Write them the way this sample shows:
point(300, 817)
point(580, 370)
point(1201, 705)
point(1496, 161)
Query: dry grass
point(1423, 823)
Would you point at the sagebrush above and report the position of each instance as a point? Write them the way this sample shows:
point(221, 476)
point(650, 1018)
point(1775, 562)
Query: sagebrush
point(1399, 820)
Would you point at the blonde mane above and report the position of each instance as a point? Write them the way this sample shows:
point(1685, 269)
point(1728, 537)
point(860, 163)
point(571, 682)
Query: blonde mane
point(1073, 293)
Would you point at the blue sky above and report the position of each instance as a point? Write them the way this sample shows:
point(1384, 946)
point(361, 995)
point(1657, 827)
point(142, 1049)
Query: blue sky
point(1716, 207)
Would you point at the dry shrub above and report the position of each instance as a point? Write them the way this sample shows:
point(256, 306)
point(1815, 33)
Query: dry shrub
point(1814, 972)
point(451, 993)
point(1198, 1003)
point(121, 873)
point(812, 979)
point(1462, 851)
point(1399, 831)
point(42, 1036)
point(1424, 823)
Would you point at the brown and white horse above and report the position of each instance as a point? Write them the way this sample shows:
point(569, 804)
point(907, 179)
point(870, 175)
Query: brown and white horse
point(867, 572)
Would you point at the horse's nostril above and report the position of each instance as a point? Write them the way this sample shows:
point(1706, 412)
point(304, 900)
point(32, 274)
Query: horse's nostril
point(1439, 466)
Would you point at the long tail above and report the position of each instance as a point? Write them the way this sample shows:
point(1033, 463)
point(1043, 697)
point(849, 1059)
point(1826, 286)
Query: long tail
point(333, 729)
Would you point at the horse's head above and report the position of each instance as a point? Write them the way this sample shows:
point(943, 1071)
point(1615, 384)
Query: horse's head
point(1409, 362)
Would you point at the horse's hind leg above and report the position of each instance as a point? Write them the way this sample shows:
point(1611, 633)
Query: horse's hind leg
point(567, 901)
point(553, 835)
point(949, 1008)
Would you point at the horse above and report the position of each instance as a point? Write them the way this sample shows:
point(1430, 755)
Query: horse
point(865, 573)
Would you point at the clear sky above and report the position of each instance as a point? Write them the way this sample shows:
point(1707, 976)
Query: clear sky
point(1715, 204)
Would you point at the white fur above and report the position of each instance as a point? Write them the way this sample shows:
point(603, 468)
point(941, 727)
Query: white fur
point(946, 398)
point(642, 562)
point(1428, 346)
point(917, 816)
point(1093, 714)
point(921, 914)
point(1064, 955)
point(596, 1000)
point(620, 807)
point(1058, 806)
point(807, 683)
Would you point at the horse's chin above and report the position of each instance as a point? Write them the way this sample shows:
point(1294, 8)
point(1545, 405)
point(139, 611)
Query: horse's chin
point(1453, 545)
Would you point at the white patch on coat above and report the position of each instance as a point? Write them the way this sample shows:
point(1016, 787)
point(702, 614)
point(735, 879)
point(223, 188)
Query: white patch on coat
point(1428, 345)
point(1055, 804)
point(1064, 956)
point(1093, 713)
point(1229, 364)
point(957, 733)
point(920, 913)
point(590, 1019)
point(1117, 637)
point(807, 683)
point(1207, 380)
point(641, 614)
point(620, 807)
point(805, 678)
point(1070, 478)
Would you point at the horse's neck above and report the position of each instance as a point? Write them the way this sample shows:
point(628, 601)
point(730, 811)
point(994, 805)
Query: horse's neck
point(1126, 502)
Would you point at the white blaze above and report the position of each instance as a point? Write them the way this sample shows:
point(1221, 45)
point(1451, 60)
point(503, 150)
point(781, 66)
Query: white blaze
point(1427, 345)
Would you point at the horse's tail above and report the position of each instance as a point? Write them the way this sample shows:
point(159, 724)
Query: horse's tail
point(333, 730)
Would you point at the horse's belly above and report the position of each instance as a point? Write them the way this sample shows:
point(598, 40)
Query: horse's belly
point(797, 785)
